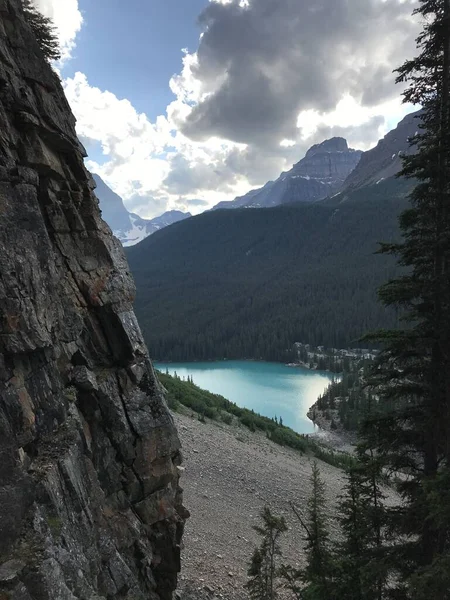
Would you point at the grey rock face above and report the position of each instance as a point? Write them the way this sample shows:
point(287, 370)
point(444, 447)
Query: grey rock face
point(330, 162)
point(90, 504)
point(319, 174)
point(385, 160)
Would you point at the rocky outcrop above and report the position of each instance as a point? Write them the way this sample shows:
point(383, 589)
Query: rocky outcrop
point(385, 160)
point(319, 174)
point(330, 162)
point(90, 505)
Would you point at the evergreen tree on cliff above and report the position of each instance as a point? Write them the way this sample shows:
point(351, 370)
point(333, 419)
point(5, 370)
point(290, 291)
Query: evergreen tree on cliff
point(43, 29)
point(410, 431)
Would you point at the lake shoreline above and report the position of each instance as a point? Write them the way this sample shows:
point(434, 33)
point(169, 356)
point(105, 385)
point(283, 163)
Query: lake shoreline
point(271, 389)
point(293, 365)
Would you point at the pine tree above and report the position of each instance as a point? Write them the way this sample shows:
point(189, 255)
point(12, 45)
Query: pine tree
point(410, 429)
point(263, 569)
point(315, 581)
point(318, 572)
point(352, 549)
point(361, 572)
point(43, 29)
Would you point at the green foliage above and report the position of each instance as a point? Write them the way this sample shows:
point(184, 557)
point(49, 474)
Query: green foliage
point(341, 460)
point(70, 393)
point(318, 572)
point(55, 525)
point(349, 568)
point(287, 437)
point(250, 283)
point(348, 396)
point(409, 424)
point(360, 574)
point(43, 30)
point(315, 581)
point(216, 407)
point(263, 568)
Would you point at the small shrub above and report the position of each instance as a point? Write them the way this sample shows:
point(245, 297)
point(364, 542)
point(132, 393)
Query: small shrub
point(55, 525)
point(226, 417)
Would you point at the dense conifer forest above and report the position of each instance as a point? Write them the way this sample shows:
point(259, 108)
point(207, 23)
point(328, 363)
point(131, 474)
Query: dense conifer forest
point(249, 283)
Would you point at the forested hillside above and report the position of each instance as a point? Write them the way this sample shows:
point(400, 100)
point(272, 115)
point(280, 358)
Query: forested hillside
point(249, 283)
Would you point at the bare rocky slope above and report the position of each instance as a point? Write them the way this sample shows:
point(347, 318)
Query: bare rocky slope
point(230, 475)
point(90, 506)
point(385, 159)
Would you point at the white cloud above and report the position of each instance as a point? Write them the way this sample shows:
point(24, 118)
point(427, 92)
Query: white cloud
point(350, 114)
point(67, 18)
point(262, 87)
point(149, 162)
point(131, 144)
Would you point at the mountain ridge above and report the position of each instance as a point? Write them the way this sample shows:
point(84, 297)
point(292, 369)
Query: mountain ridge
point(321, 172)
point(384, 160)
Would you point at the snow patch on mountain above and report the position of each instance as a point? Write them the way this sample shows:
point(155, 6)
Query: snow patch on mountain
point(128, 227)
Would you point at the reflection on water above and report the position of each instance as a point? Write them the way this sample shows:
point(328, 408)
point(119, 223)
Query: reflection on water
point(271, 389)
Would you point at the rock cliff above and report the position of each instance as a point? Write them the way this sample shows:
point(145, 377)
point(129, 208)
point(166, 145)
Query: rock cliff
point(330, 162)
point(90, 505)
point(385, 159)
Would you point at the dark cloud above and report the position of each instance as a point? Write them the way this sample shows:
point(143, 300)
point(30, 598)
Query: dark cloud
point(257, 165)
point(186, 177)
point(263, 64)
point(196, 202)
point(369, 132)
point(147, 206)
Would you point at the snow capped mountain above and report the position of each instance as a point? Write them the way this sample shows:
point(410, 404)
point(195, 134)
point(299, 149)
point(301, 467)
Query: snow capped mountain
point(319, 174)
point(128, 227)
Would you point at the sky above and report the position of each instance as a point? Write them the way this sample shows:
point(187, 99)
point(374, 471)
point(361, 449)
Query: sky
point(185, 103)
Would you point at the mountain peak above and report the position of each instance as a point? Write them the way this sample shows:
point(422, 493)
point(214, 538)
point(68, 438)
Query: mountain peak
point(319, 174)
point(335, 144)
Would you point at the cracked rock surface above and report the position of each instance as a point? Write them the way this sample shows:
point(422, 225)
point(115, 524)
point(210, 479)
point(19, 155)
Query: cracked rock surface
point(90, 504)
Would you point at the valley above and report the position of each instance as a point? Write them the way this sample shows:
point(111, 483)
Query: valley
point(193, 407)
point(230, 475)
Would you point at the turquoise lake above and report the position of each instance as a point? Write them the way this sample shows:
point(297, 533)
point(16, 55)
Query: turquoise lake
point(271, 389)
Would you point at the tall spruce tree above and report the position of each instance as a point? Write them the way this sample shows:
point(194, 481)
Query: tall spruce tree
point(318, 569)
point(410, 429)
point(361, 572)
point(263, 567)
point(43, 29)
point(315, 581)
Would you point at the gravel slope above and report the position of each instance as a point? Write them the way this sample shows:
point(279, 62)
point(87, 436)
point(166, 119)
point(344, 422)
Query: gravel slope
point(230, 474)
